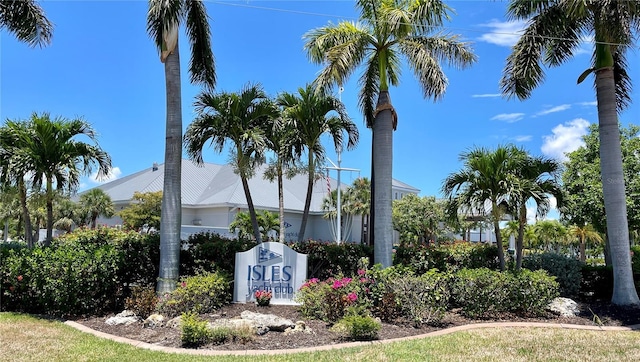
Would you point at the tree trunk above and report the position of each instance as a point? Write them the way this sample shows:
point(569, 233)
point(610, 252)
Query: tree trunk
point(171, 210)
point(252, 209)
point(583, 251)
point(382, 177)
point(22, 194)
point(613, 189)
point(281, 203)
point(307, 201)
point(372, 203)
point(496, 228)
point(522, 221)
point(49, 197)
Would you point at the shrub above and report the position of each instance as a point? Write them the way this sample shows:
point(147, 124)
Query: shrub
point(220, 334)
point(635, 259)
point(329, 259)
point(195, 331)
point(420, 299)
point(209, 252)
point(568, 271)
point(62, 280)
point(483, 292)
point(447, 258)
point(142, 302)
point(330, 299)
point(202, 293)
point(597, 282)
point(357, 327)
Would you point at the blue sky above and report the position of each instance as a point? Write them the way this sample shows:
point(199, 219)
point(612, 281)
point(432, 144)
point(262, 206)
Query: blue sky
point(102, 66)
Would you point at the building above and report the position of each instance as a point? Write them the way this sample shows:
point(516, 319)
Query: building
point(212, 195)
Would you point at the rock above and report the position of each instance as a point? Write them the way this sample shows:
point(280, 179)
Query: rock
point(239, 323)
point(154, 320)
point(175, 323)
point(125, 317)
point(271, 321)
point(300, 326)
point(564, 306)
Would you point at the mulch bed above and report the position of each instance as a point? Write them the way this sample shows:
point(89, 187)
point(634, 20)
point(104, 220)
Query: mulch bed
point(591, 314)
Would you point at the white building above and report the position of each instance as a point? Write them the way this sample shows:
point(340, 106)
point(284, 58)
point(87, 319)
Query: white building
point(212, 195)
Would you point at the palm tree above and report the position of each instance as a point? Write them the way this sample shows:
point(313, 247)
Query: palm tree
point(311, 114)
point(27, 21)
point(97, 202)
point(163, 21)
point(553, 35)
point(485, 178)
point(53, 156)
point(387, 31)
point(360, 196)
point(14, 166)
point(535, 179)
point(238, 118)
point(584, 234)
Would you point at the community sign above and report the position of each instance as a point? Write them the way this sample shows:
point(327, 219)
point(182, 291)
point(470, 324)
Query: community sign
point(270, 266)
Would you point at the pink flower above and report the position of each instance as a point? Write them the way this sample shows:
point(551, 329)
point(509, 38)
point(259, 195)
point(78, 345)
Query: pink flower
point(183, 284)
point(352, 297)
point(337, 284)
point(361, 272)
point(19, 278)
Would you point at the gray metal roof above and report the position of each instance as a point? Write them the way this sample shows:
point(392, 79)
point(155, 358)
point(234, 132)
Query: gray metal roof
point(212, 185)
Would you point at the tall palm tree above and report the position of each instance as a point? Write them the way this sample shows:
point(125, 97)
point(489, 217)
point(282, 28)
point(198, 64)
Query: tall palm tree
point(27, 21)
point(55, 157)
point(96, 202)
point(387, 31)
point(584, 234)
point(311, 114)
point(238, 118)
point(485, 178)
point(535, 180)
point(553, 35)
point(163, 22)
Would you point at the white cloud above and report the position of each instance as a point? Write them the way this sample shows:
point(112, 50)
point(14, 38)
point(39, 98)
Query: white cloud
point(524, 138)
point(565, 138)
point(589, 104)
point(486, 95)
point(508, 117)
point(560, 108)
point(503, 33)
point(113, 174)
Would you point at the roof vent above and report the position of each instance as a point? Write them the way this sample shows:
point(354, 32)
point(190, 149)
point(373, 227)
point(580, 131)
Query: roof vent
point(154, 167)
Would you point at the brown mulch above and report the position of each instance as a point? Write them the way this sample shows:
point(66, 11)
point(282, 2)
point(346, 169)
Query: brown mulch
point(593, 313)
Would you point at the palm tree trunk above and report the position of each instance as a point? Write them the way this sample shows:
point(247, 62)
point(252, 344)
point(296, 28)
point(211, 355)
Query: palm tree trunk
point(281, 203)
point(613, 189)
point(22, 194)
point(382, 177)
point(252, 209)
point(583, 251)
point(520, 241)
point(496, 228)
point(307, 201)
point(372, 205)
point(49, 197)
point(171, 211)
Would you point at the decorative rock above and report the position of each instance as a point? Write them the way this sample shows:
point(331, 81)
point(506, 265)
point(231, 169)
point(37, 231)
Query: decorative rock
point(239, 323)
point(564, 306)
point(175, 323)
point(125, 317)
point(301, 326)
point(271, 321)
point(154, 320)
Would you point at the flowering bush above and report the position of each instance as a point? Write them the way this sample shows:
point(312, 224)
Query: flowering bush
point(330, 299)
point(263, 297)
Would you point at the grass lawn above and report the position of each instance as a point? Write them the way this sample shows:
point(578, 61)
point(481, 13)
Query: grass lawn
point(26, 338)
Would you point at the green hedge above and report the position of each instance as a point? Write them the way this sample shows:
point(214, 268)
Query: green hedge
point(448, 257)
point(483, 292)
point(568, 271)
point(326, 260)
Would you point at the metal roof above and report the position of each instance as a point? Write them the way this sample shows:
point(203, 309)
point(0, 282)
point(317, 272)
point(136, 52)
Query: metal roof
point(212, 185)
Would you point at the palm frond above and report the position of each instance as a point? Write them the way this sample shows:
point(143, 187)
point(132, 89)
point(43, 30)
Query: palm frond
point(162, 16)
point(369, 88)
point(202, 64)
point(27, 21)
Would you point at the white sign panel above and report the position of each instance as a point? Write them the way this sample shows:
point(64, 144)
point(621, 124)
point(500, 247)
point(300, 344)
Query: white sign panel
point(273, 267)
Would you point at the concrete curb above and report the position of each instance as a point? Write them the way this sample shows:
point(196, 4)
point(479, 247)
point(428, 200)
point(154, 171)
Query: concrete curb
point(467, 327)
